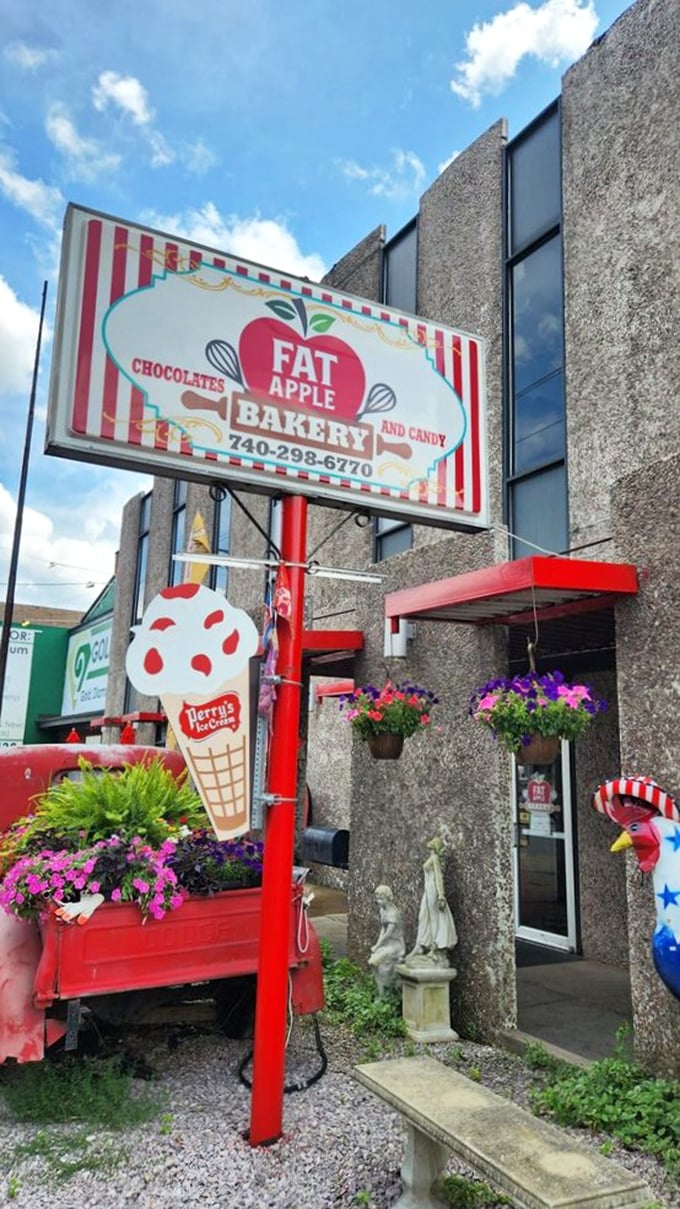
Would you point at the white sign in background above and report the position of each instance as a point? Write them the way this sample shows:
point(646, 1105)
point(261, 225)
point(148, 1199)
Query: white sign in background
point(87, 669)
point(17, 687)
point(217, 368)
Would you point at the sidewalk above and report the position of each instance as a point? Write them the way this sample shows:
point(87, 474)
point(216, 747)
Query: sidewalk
point(328, 910)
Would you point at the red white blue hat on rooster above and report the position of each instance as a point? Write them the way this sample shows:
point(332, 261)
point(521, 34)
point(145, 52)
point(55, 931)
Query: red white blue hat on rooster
point(650, 819)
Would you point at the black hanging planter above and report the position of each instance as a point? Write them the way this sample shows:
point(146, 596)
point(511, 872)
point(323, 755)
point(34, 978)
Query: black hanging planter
point(385, 746)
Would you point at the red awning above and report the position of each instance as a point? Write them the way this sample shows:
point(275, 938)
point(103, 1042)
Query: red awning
point(514, 593)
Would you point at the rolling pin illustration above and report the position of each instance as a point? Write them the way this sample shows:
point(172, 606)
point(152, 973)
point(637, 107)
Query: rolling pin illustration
point(195, 402)
point(400, 449)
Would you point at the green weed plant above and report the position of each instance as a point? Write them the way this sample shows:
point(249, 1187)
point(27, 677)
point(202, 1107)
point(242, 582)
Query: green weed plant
point(459, 1192)
point(64, 1153)
point(614, 1096)
point(98, 1092)
point(352, 1000)
point(78, 1103)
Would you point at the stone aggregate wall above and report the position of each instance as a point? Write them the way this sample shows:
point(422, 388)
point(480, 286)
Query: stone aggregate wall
point(646, 518)
point(454, 784)
point(621, 198)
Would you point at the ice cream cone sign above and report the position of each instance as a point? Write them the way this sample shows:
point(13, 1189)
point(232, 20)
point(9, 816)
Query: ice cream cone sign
point(192, 649)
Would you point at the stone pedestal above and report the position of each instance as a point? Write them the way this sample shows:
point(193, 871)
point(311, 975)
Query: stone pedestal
point(425, 1002)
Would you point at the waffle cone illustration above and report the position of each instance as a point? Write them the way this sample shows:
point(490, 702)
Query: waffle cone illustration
point(212, 734)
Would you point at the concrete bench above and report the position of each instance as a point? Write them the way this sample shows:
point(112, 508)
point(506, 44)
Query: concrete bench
point(536, 1164)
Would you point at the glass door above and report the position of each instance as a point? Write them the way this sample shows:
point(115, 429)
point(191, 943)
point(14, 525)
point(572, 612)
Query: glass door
point(545, 907)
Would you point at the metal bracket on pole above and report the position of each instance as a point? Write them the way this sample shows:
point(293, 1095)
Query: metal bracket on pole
point(259, 773)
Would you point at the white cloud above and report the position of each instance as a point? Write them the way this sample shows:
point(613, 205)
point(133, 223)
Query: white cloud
point(264, 240)
point(43, 202)
point(199, 158)
point(86, 158)
point(18, 333)
point(53, 568)
point(401, 179)
point(68, 555)
point(129, 95)
point(27, 57)
point(445, 163)
point(126, 92)
point(556, 32)
point(161, 153)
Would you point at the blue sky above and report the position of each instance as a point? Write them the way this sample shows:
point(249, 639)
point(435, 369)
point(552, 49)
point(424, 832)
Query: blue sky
point(279, 132)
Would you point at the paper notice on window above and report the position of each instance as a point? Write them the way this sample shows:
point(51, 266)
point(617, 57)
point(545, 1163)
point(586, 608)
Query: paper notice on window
point(540, 823)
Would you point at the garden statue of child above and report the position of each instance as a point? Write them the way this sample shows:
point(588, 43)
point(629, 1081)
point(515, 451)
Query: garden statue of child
point(436, 928)
point(389, 949)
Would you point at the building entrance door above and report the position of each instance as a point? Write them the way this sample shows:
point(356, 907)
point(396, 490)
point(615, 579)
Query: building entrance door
point(545, 906)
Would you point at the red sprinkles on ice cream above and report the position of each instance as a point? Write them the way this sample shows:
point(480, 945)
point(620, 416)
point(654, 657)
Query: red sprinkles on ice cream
point(153, 661)
point(230, 644)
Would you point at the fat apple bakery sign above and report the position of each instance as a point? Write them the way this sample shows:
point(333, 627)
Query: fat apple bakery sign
point(198, 364)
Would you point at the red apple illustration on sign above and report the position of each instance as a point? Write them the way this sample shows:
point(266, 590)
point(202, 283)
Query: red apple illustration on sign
point(308, 371)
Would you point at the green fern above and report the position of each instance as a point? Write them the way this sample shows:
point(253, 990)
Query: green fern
point(142, 799)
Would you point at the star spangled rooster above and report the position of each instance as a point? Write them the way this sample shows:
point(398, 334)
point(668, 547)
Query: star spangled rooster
point(651, 826)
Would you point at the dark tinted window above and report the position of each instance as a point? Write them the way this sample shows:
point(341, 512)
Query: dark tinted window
point(142, 558)
point(391, 537)
point(539, 435)
point(539, 512)
point(535, 183)
point(401, 271)
point(537, 315)
point(179, 508)
point(219, 576)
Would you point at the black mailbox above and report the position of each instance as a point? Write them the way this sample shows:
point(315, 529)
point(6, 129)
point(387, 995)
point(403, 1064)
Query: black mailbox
point(326, 845)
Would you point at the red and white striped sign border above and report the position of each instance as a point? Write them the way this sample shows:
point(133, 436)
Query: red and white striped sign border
point(118, 259)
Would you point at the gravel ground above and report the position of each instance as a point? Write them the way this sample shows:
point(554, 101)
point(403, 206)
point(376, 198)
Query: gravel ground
point(341, 1146)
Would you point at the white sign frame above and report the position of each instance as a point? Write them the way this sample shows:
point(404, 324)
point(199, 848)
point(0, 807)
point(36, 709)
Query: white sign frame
point(17, 691)
point(201, 366)
point(87, 661)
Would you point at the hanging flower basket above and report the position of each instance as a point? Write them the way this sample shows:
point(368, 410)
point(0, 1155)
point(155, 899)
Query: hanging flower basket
point(384, 717)
point(385, 746)
point(534, 708)
point(539, 750)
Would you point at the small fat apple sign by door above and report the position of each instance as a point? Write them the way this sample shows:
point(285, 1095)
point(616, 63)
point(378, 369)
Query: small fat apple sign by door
point(173, 353)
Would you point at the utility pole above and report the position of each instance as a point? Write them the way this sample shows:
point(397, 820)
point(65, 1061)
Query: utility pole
point(21, 495)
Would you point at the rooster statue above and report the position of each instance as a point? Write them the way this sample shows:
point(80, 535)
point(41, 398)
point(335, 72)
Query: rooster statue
point(650, 819)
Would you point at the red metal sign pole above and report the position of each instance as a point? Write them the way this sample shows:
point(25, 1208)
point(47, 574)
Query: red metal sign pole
point(266, 1112)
